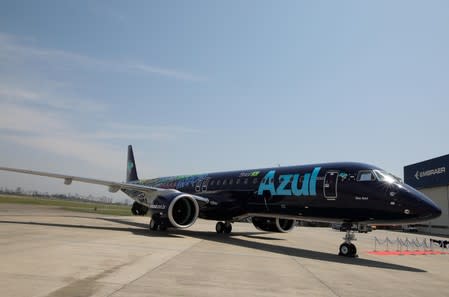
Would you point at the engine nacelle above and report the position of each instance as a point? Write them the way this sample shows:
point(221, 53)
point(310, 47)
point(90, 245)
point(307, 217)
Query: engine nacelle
point(183, 211)
point(175, 210)
point(273, 224)
point(139, 209)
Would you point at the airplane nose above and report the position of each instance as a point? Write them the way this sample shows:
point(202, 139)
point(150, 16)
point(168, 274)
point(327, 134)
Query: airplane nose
point(426, 209)
point(435, 211)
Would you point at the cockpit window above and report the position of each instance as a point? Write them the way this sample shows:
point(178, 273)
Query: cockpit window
point(386, 177)
point(366, 175)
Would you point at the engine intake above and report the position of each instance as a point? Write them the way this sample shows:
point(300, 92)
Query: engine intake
point(273, 224)
point(183, 211)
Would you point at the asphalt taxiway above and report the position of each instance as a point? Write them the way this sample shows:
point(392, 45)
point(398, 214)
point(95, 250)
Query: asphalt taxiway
point(49, 252)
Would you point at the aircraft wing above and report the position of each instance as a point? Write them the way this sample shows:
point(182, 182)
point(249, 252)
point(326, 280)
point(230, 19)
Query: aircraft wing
point(113, 186)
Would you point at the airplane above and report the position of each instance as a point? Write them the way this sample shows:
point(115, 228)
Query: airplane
point(274, 198)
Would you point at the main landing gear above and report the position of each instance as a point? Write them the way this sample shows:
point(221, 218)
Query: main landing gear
point(157, 225)
point(348, 249)
point(225, 227)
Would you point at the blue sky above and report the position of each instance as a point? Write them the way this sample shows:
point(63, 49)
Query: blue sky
point(210, 85)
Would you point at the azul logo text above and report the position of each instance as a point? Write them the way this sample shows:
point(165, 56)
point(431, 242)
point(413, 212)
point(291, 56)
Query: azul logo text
point(308, 187)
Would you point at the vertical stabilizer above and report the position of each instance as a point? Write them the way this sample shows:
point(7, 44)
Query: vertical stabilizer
point(131, 171)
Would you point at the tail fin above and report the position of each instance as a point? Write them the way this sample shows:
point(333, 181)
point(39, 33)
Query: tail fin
point(131, 171)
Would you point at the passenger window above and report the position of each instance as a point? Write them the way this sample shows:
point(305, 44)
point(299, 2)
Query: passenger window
point(365, 176)
point(231, 181)
point(245, 181)
point(238, 181)
point(218, 182)
point(225, 182)
point(212, 182)
point(255, 181)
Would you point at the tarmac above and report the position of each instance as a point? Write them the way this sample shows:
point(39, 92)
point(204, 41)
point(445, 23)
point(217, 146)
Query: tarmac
point(45, 251)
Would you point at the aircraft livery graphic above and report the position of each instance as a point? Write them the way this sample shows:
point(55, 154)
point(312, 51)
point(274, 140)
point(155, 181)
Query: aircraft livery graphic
point(308, 187)
point(274, 198)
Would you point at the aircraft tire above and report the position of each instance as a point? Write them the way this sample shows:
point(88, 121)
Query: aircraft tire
point(228, 228)
point(220, 227)
point(345, 249)
point(353, 250)
point(154, 226)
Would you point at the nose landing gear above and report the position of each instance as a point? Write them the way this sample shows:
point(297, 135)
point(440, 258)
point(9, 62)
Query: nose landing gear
point(347, 248)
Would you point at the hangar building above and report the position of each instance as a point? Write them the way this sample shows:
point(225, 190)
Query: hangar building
point(432, 178)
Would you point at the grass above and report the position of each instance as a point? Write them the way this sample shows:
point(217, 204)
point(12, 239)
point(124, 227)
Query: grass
point(70, 205)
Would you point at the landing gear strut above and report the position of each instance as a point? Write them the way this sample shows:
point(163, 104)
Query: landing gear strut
point(225, 227)
point(348, 249)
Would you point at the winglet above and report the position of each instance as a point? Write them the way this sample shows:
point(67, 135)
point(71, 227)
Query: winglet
point(131, 172)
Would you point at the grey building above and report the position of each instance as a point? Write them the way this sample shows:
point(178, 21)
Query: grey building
point(432, 178)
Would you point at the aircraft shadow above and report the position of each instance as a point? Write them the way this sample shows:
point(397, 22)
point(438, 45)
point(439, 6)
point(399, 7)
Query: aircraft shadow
point(172, 231)
point(283, 250)
point(137, 230)
point(232, 239)
point(292, 251)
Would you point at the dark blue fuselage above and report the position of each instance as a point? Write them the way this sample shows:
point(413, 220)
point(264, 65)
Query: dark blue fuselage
point(331, 192)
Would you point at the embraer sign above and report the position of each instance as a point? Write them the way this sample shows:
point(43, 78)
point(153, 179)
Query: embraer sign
point(430, 173)
point(421, 174)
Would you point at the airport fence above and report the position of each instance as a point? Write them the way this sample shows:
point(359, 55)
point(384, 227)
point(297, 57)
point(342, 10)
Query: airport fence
point(410, 244)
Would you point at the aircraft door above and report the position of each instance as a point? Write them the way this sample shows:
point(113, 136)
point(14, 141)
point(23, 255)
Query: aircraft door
point(330, 185)
point(204, 185)
point(201, 185)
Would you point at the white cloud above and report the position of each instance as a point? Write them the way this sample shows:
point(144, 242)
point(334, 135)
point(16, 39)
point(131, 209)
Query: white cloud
point(41, 114)
point(166, 72)
point(52, 132)
point(70, 145)
point(11, 49)
point(147, 132)
point(17, 93)
point(24, 119)
point(14, 94)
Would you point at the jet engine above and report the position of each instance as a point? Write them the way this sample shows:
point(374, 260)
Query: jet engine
point(179, 211)
point(273, 224)
point(183, 211)
point(139, 209)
